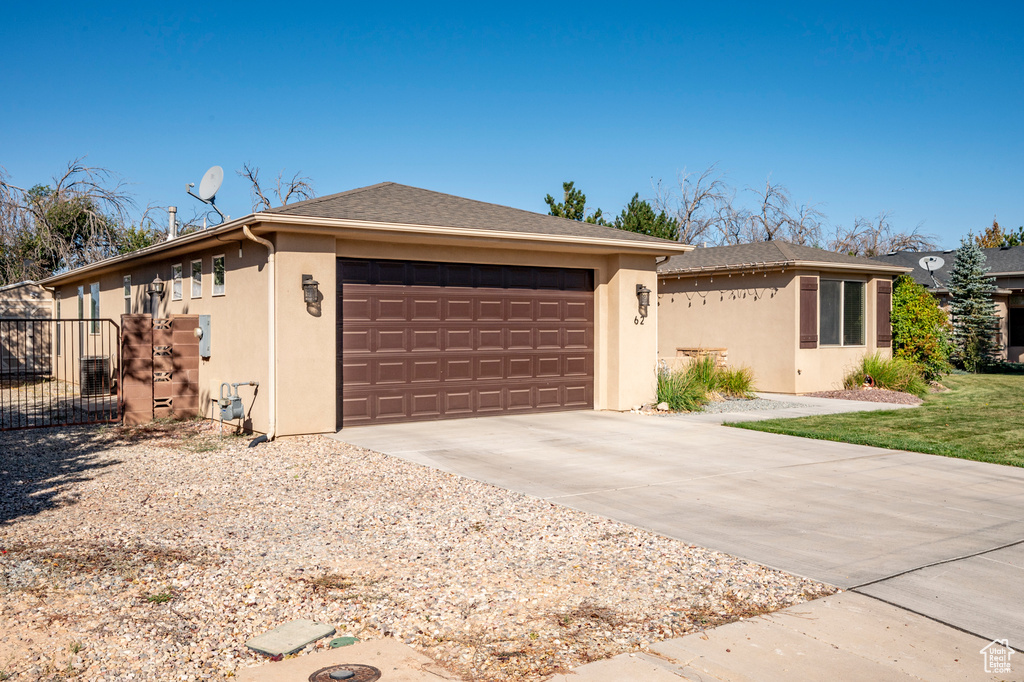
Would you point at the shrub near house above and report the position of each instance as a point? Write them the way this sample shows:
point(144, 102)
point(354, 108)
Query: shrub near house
point(920, 328)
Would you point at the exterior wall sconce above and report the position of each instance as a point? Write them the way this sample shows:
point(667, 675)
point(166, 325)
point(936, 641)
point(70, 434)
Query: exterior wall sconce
point(310, 292)
point(643, 298)
point(155, 291)
point(311, 295)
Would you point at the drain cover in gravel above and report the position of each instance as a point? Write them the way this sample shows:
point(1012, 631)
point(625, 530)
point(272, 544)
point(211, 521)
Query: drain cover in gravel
point(359, 673)
point(290, 637)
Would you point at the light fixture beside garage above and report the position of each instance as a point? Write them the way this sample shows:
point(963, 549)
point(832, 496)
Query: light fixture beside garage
point(311, 295)
point(643, 297)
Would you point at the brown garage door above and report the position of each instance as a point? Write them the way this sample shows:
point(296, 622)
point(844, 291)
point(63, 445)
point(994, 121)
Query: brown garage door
point(420, 341)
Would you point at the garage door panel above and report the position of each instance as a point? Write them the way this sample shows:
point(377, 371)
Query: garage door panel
point(390, 406)
point(391, 308)
point(488, 368)
point(458, 370)
point(521, 368)
point(490, 339)
point(425, 340)
point(520, 339)
point(490, 310)
point(390, 340)
point(434, 341)
point(427, 309)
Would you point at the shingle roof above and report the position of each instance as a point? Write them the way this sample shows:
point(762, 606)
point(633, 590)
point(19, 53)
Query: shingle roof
point(999, 260)
point(757, 254)
point(389, 202)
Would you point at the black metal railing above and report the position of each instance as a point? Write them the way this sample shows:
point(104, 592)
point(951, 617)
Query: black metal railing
point(59, 372)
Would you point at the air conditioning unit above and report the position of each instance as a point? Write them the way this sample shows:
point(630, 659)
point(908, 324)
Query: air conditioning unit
point(95, 375)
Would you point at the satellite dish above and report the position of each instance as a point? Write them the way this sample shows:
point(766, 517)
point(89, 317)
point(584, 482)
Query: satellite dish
point(931, 263)
point(210, 183)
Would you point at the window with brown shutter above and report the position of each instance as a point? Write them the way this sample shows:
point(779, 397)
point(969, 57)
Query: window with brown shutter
point(883, 310)
point(808, 312)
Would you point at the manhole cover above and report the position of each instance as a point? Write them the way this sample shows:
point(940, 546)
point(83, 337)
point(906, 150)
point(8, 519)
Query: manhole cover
point(360, 673)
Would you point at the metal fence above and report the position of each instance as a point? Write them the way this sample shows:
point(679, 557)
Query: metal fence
point(59, 372)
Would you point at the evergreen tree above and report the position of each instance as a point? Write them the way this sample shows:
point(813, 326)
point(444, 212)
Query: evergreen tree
point(573, 206)
point(639, 216)
point(972, 309)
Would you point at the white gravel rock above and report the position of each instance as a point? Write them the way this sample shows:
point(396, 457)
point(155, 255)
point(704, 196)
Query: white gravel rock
point(155, 553)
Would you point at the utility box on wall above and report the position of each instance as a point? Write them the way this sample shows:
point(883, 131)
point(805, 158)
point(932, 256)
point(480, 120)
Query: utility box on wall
point(204, 336)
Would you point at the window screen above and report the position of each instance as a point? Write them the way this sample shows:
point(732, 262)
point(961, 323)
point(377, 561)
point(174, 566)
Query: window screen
point(127, 294)
point(176, 282)
point(853, 313)
point(94, 307)
point(829, 295)
point(218, 275)
point(197, 279)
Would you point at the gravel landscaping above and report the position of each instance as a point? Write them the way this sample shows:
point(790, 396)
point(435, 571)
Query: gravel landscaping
point(155, 553)
point(871, 395)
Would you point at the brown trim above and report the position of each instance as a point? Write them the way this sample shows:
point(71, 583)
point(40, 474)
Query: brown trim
point(883, 311)
point(808, 312)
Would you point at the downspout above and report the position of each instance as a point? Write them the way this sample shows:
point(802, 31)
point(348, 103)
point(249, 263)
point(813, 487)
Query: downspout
point(271, 335)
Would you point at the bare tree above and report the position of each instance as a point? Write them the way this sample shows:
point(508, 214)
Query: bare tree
point(76, 220)
point(772, 217)
point(696, 205)
point(299, 187)
point(806, 225)
point(876, 237)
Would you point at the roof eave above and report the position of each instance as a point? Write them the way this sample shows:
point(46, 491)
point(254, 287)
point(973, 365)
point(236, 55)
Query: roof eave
point(782, 265)
point(635, 246)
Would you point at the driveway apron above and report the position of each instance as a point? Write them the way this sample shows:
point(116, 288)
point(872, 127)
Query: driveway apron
point(938, 536)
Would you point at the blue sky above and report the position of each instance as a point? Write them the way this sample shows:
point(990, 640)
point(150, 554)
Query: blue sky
point(914, 109)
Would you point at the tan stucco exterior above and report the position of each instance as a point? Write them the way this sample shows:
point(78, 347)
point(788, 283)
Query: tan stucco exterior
point(306, 387)
point(755, 318)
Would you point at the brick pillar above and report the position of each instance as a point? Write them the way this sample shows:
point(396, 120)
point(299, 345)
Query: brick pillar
point(137, 368)
point(185, 362)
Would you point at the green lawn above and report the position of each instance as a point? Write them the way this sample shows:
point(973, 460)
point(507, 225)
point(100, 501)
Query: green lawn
point(981, 418)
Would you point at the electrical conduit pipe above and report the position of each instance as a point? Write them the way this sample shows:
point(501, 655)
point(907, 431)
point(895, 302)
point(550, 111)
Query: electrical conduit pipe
point(271, 335)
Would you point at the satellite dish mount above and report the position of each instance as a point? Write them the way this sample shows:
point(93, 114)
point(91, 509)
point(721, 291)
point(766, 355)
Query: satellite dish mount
point(208, 187)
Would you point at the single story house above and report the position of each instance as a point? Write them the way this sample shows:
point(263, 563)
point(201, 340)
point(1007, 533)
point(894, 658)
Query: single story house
point(798, 316)
point(931, 269)
point(393, 303)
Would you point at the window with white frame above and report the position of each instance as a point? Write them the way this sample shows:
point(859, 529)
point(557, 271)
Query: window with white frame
point(94, 307)
point(127, 294)
point(218, 275)
point(841, 313)
point(56, 295)
point(197, 279)
point(176, 282)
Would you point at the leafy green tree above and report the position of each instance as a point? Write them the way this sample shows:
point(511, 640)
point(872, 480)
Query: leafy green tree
point(573, 206)
point(920, 328)
point(639, 216)
point(974, 313)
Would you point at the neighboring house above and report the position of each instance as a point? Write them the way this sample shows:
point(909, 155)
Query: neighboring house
point(392, 303)
point(25, 344)
point(1006, 265)
point(798, 316)
point(25, 299)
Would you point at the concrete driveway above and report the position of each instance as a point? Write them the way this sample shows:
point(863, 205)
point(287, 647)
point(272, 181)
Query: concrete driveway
point(941, 537)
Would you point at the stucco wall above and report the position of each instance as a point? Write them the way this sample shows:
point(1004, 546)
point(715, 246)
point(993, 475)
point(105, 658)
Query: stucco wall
point(238, 318)
point(751, 315)
point(757, 319)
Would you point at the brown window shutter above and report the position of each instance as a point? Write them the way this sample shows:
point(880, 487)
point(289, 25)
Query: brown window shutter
point(808, 312)
point(882, 314)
